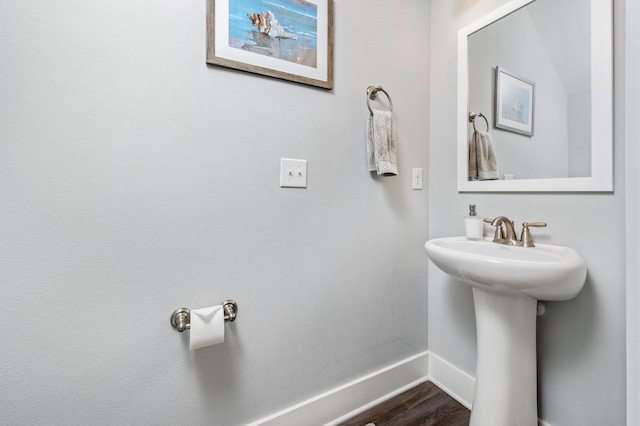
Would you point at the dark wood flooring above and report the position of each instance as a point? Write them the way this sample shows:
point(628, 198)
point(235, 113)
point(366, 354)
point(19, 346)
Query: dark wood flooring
point(424, 405)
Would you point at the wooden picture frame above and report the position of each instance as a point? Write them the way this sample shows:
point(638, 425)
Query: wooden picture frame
point(514, 102)
point(286, 39)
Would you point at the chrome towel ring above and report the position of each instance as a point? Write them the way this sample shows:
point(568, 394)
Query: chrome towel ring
point(372, 93)
point(472, 119)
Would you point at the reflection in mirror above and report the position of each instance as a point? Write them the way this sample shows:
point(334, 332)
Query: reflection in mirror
point(547, 43)
point(540, 71)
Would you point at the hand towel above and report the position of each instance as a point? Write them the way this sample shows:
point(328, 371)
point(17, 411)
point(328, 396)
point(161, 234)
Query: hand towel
point(381, 143)
point(482, 157)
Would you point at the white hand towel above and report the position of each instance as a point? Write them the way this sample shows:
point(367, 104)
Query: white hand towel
point(381, 143)
point(482, 157)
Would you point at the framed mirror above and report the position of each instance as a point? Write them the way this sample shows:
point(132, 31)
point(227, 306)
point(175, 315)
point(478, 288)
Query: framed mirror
point(541, 73)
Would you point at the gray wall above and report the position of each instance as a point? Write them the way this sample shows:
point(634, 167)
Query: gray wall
point(134, 180)
point(632, 204)
point(579, 134)
point(581, 342)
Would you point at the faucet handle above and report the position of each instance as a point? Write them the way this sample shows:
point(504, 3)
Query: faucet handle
point(534, 224)
point(526, 238)
point(499, 235)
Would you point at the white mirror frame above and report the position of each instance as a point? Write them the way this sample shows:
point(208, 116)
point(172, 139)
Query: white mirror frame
point(601, 179)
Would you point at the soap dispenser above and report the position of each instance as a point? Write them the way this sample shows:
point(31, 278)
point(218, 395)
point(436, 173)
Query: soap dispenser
point(473, 224)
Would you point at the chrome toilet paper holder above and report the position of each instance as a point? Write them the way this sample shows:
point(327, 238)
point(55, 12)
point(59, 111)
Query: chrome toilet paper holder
point(181, 318)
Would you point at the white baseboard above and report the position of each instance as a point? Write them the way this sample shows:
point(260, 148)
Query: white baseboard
point(351, 399)
point(455, 382)
point(348, 400)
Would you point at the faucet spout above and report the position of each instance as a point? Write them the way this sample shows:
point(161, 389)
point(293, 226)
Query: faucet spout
point(511, 232)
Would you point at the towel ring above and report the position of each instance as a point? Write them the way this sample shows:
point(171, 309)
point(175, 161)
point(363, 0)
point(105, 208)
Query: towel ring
point(472, 119)
point(372, 92)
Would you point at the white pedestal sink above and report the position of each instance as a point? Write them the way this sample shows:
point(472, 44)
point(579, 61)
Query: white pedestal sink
point(507, 281)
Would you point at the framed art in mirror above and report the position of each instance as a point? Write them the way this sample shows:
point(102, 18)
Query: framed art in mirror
point(515, 102)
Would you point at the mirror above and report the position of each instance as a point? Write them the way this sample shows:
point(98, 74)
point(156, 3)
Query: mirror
point(540, 71)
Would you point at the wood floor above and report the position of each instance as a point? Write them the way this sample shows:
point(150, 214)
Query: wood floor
point(424, 405)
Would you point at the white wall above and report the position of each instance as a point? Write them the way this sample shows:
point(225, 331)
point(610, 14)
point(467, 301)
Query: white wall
point(581, 343)
point(135, 180)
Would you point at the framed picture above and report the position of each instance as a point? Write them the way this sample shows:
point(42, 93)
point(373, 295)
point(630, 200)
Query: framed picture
point(286, 39)
point(515, 102)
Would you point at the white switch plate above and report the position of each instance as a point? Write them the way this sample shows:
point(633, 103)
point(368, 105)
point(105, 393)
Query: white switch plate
point(293, 173)
point(416, 178)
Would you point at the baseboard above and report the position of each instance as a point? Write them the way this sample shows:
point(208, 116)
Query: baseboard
point(346, 401)
point(455, 382)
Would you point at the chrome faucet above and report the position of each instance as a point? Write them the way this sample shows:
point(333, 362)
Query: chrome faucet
point(526, 240)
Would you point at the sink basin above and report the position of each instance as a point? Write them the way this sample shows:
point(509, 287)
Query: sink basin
point(507, 281)
point(543, 272)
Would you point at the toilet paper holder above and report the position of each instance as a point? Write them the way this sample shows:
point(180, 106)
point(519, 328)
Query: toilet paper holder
point(181, 318)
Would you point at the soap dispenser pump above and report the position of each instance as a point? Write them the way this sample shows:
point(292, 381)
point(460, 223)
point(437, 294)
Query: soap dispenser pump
point(473, 224)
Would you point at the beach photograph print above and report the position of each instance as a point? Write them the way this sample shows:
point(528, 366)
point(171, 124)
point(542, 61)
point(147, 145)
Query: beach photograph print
point(286, 39)
point(282, 29)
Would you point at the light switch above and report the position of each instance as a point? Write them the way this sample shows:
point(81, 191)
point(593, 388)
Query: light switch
point(293, 173)
point(416, 178)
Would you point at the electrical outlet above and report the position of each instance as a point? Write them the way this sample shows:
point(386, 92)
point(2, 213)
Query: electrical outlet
point(416, 178)
point(293, 173)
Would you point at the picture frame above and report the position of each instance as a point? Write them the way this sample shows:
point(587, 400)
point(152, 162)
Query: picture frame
point(514, 102)
point(286, 39)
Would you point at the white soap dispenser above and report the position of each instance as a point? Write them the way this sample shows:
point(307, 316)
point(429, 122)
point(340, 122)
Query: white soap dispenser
point(473, 224)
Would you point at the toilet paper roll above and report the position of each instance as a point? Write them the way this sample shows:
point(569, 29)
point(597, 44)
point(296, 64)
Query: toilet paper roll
point(207, 327)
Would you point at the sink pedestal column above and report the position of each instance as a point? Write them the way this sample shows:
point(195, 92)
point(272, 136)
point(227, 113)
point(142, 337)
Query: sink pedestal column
point(506, 383)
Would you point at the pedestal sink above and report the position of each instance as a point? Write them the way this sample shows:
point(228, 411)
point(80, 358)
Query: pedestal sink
point(507, 281)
